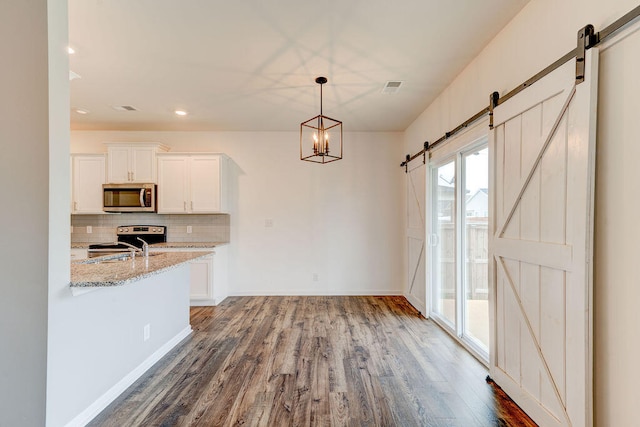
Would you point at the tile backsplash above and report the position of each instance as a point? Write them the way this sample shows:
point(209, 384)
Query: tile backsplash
point(204, 228)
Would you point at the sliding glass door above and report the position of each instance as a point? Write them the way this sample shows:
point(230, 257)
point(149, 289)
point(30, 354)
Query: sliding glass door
point(459, 246)
point(475, 249)
point(443, 181)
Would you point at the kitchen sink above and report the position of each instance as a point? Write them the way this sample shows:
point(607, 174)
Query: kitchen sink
point(107, 259)
point(112, 259)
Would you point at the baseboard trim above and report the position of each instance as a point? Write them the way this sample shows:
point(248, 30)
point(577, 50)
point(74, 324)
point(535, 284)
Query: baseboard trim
point(417, 304)
point(301, 293)
point(202, 302)
point(84, 417)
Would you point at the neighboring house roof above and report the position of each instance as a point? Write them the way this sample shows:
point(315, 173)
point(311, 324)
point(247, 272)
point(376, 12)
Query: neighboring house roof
point(444, 182)
point(478, 202)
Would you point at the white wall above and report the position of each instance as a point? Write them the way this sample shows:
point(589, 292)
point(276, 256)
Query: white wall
point(29, 44)
point(543, 32)
point(343, 221)
point(99, 340)
point(540, 34)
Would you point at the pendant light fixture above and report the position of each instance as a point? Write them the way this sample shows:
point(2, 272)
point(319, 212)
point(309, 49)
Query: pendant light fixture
point(321, 136)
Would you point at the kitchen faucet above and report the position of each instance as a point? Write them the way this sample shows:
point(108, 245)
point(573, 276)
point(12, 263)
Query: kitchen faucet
point(132, 248)
point(145, 247)
point(135, 248)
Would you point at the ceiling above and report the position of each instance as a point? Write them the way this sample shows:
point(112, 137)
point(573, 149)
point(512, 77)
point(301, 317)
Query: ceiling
point(250, 65)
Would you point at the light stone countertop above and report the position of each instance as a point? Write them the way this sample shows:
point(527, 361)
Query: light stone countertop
point(195, 245)
point(110, 271)
point(177, 245)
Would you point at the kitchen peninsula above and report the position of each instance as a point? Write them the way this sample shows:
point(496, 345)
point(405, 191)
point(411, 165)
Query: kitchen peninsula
point(127, 314)
point(118, 270)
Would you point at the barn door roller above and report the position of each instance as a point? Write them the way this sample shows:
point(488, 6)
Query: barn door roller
point(587, 38)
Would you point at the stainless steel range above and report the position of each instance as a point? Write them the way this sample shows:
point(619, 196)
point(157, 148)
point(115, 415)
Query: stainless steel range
point(131, 238)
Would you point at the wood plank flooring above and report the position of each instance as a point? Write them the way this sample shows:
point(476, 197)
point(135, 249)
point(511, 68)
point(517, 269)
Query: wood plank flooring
point(314, 361)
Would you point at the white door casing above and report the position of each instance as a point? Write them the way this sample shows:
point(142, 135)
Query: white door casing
point(542, 151)
point(416, 250)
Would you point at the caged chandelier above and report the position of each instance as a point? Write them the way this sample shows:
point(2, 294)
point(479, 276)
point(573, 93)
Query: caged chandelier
point(321, 136)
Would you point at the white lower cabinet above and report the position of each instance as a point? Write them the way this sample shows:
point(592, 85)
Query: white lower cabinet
point(201, 284)
point(78, 254)
point(205, 273)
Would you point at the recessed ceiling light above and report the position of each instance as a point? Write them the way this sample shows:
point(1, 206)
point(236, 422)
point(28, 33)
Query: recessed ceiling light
point(71, 50)
point(81, 111)
point(181, 112)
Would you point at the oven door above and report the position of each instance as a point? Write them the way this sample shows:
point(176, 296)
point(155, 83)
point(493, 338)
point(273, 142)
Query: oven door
point(129, 198)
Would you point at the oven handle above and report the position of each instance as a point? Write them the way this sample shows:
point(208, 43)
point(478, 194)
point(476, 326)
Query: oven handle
point(142, 198)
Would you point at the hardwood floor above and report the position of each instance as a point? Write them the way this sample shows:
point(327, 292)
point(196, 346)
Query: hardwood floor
point(302, 361)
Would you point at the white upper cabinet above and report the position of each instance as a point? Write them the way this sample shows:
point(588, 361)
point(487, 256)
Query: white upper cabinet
point(192, 183)
point(205, 184)
point(87, 176)
point(132, 162)
point(173, 183)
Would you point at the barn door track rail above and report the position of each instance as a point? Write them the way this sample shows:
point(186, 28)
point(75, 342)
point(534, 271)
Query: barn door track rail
point(586, 39)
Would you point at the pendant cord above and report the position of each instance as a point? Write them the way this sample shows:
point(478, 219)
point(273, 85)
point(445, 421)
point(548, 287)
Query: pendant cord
point(320, 98)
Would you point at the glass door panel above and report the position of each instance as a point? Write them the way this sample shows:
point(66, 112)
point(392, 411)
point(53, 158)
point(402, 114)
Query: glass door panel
point(443, 240)
point(475, 248)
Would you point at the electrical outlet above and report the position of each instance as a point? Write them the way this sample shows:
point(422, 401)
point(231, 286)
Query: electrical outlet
point(315, 277)
point(89, 229)
point(146, 332)
point(268, 223)
point(189, 229)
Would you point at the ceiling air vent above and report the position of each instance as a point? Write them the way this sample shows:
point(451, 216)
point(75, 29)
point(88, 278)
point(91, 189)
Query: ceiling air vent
point(124, 108)
point(392, 87)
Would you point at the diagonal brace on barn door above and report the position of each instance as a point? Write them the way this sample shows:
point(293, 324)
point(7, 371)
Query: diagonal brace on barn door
point(417, 200)
point(547, 142)
point(543, 360)
point(418, 264)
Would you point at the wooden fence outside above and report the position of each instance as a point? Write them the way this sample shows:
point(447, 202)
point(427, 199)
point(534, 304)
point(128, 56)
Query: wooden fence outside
point(476, 259)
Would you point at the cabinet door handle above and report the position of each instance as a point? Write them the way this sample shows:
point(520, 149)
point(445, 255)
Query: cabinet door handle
point(185, 206)
point(192, 205)
point(75, 206)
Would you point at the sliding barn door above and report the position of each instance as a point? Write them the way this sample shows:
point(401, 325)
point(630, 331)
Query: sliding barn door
point(416, 273)
point(542, 172)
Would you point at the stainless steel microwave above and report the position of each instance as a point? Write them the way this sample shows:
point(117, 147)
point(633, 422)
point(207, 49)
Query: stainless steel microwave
point(129, 197)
